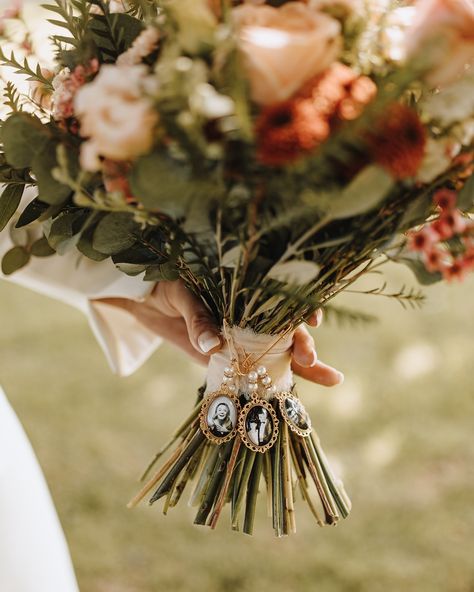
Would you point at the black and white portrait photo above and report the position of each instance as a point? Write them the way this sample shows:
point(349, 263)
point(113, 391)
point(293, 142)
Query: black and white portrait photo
point(297, 414)
point(221, 416)
point(259, 426)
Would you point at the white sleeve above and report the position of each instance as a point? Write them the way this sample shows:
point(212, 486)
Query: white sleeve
point(76, 280)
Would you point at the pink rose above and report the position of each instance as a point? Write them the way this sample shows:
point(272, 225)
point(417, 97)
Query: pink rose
point(284, 47)
point(116, 116)
point(446, 29)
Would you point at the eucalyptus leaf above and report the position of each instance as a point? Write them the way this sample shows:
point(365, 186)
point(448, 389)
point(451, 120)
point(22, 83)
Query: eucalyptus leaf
point(9, 202)
point(23, 137)
point(64, 233)
point(34, 210)
point(162, 184)
point(115, 232)
point(364, 193)
point(132, 269)
point(466, 196)
point(15, 259)
point(297, 273)
point(85, 247)
point(50, 191)
point(425, 277)
point(42, 248)
point(164, 272)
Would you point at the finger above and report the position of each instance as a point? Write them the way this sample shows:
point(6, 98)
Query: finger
point(316, 318)
point(202, 331)
point(320, 373)
point(304, 352)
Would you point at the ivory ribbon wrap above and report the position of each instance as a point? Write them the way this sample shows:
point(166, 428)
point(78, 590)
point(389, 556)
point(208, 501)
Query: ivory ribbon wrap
point(242, 342)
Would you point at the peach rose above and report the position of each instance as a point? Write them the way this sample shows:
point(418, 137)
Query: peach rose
point(116, 117)
point(284, 47)
point(449, 26)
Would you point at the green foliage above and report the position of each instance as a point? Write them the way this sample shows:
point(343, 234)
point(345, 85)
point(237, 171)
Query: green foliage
point(23, 137)
point(425, 277)
point(42, 248)
point(162, 184)
point(363, 194)
point(15, 259)
point(9, 201)
point(163, 272)
point(113, 33)
point(24, 69)
point(34, 210)
point(66, 228)
point(44, 163)
point(74, 17)
point(13, 176)
point(466, 196)
point(12, 98)
point(115, 232)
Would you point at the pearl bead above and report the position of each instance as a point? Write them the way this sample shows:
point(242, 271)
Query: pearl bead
point(229, 371)
point(261, 370)
point(232, 388)
point(253, 377)
point(271, 390)
point(226, 379)
point(266, 381)
point(253, 387)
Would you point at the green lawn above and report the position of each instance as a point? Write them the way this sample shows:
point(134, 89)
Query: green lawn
point(399, 431)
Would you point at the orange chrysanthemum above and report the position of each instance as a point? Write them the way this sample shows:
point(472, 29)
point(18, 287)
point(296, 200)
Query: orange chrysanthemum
point(286, 131)
point(398, 144)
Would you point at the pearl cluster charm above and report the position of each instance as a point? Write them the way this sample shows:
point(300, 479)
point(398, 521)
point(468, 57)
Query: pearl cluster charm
point(265, 379)
point(255, 380)
point(229, 380)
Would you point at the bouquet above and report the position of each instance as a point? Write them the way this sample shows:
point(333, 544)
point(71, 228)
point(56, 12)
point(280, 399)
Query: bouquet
point(268, 154)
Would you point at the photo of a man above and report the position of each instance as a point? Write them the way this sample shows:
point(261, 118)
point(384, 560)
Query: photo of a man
point(259, 426)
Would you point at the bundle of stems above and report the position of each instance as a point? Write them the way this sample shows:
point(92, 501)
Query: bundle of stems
point(232, 474)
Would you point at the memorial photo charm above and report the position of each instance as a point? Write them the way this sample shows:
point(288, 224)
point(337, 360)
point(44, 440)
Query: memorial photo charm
point(295, 414)
point(258, 425)
point(219, 416)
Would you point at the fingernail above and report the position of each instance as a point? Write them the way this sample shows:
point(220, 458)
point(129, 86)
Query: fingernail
point(309, 360)
point(208, 341)
point(319, 317)
point(340, 377)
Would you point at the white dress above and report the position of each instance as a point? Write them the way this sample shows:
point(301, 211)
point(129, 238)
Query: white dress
point(33, 551)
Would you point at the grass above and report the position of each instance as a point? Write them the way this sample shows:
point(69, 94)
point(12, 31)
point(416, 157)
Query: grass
point(399, 431)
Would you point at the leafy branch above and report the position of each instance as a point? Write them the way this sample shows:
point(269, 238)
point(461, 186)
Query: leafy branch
point(405, 296)
point(346, 316)
point(12, 98)
point(74, 16)
point(32, 75)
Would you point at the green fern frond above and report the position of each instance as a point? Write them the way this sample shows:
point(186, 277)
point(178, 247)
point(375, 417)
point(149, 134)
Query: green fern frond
point(12, 98)
point(346, 316)
point(32, 75)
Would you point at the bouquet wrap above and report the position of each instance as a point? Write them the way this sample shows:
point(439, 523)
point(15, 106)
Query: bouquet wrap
point(250, 427)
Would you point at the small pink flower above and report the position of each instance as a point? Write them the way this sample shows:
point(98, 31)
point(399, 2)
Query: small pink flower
point(456, 271)
point(443, 229)
point(434, 260)
point(423, 239)
point(468, 260)
point(445, 199)
point(454, 220)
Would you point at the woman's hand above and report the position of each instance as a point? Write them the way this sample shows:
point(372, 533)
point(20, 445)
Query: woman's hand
point(172, 312)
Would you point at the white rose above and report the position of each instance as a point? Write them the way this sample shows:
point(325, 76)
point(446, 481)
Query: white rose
point(115, 116)
point(284, 47)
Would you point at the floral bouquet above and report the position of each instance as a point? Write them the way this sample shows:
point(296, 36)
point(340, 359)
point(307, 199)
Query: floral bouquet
point(269, 154)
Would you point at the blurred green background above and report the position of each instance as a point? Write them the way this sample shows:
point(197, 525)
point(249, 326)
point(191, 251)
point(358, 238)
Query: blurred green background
point(399, 432)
